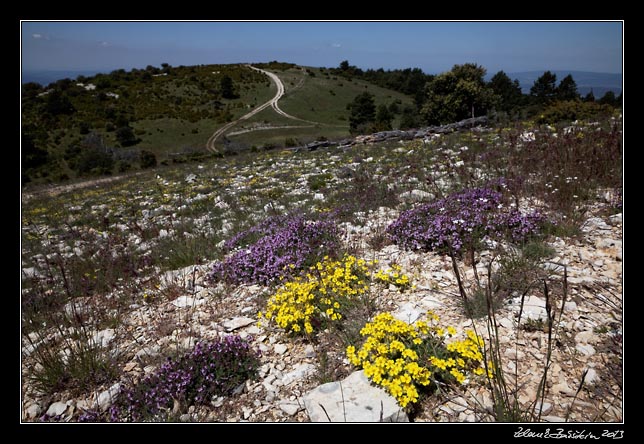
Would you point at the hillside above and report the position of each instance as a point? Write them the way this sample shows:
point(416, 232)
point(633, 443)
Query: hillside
point(445, 273)
point(172, 111)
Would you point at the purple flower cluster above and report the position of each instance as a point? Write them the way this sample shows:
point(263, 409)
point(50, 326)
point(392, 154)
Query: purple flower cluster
point(275, 245)
point(460, 220)
point(212, 368)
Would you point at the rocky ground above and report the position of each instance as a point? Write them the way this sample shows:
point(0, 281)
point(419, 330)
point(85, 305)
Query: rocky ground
point(173, 309)
point(587, 337)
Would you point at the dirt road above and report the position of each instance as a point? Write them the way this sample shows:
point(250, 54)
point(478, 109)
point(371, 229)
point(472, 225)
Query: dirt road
point(272, 103)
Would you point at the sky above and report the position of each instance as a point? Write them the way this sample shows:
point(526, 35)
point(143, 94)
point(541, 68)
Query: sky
point(433, 47)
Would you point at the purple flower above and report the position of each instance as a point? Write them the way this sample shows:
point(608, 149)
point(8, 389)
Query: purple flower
point(461, 220)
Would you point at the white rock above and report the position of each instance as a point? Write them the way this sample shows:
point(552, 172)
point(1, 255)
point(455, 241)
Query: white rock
point(591, 376)
point(163, 233)
point(235, 323)
point(309, 351)
point(547, 408)
point(300, 371)
point(570, 306)
point(104, 337)
point(551, 418)
point(585, 349)
point(290, 407)
point(33, 411)
point(586, 337)
point(191, 178)
point(533, 308)
point(416, 195)
point(187, 301)
point(353, 399)
point(616, 219)
point(280, 349)
point(408, 313)
point(107, 397)
point(506, 323)
point(318, 196)
point(563, 387)
point(57, 409)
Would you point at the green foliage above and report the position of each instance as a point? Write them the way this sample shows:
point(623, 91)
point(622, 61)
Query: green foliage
point(571, 110)
point(456, 95)
point(544, 89)
point(126, 137)
point(383, 118)
point(610, 99)
point(567, 89)
point(363, 112)
point(508, 93)
point(227, 88)
point(147, 159)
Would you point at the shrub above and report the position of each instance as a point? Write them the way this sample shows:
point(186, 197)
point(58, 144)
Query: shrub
point(460, 221)
point(393, 276)
point(403, 357)
point(281, 246)
point(307, 303)
point(572, 110)
point(210, 369)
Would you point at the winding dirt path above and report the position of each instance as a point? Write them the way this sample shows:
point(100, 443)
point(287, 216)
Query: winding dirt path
point(210, 144)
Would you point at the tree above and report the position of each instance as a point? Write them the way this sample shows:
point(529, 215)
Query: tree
point(227, 87)
point(590, 97)
point(383, 118)
point(609, 99)
point(544, 89)
point(363, 112)
point(456, 95)
point(125, 136)
point(507, 92)
point(344, 65)
point(567, 89)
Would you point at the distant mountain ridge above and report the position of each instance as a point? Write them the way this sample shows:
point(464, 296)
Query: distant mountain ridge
point(599, 82)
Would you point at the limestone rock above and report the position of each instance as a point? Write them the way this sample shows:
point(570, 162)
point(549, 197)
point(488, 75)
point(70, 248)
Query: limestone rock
point(56, 409)
point(300, 372)
point(353, 399)
point(236, 323)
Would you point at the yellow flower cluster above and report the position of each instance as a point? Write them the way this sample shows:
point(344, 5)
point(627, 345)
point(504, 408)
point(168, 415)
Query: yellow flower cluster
point(305, 302)
point(400, 357)
point(393, 275)
point(389, 359)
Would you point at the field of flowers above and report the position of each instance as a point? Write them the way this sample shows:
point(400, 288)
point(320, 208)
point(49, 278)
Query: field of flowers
point(192, 292)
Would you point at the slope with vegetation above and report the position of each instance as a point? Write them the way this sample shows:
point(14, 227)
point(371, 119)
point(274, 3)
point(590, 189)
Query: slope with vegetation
point(140, 297)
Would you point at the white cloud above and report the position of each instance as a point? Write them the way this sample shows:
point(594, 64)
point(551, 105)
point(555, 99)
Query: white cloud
point(105, 44)
point(36, 36)
point(336, 45)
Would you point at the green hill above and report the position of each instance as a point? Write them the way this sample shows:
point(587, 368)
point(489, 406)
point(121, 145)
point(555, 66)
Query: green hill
point(170, 112)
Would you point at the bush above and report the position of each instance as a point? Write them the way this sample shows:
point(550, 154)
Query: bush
point(308, 303)
point(460, 221)
point(403, 357)
point(571, 110)
point(210, 369)
point(279, 247)
point(148, 159)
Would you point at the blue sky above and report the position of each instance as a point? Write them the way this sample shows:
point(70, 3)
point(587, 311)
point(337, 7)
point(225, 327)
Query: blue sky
point(432, 46)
